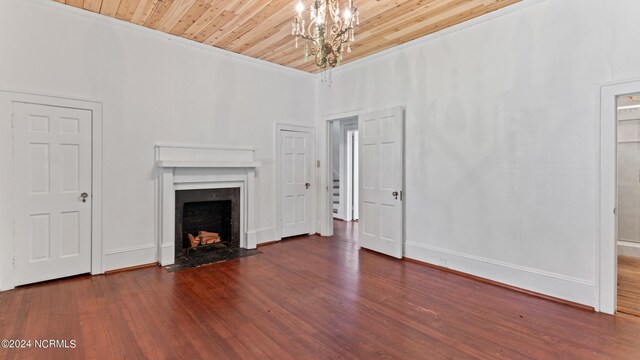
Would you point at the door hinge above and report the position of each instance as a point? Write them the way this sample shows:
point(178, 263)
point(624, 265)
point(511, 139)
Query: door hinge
point(13, 263)
point(13, 122)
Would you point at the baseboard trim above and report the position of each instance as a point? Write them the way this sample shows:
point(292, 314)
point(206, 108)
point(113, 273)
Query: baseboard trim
point(130, 268)
point(628, 248)
point(550, 284)
point(268, 243)
point(503, 285)
point(265, 235)
point(129, 257)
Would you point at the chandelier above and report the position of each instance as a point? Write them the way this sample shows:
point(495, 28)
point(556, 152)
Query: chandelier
point(328, 31)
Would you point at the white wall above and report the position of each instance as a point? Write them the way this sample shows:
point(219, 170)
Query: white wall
point(502, 137)
point(155, 89)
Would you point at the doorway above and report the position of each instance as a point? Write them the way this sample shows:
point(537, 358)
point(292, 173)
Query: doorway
point(628, 203)
point(344, 178)
point(344, 169)
point(379, 193)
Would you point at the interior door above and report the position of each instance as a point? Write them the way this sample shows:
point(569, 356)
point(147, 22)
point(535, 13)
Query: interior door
point(381, 179)
point(52, 157)
point(296, 182)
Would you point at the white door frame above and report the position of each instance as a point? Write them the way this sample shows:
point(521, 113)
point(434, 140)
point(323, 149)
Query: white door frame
point(606, 247)
point(326, 166)
point(7, 205)
point(278, 156)
point(348, 183)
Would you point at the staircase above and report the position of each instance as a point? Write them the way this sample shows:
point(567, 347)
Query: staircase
point(336, 193)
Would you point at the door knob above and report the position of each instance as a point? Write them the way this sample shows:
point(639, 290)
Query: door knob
point(84, 196)
point(395, 194)
point(307, 185)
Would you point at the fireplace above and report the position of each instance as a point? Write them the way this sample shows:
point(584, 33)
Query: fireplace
point(202, 212)
point(183, 168)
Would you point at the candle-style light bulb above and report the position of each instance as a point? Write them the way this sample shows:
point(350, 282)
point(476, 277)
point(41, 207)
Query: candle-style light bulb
point(299, 8)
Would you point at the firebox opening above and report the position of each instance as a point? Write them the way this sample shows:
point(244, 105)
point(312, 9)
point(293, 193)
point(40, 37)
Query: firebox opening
point(207, 221)
point(207, 216)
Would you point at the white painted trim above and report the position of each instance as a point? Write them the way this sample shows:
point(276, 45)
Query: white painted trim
point(132, 256)
point(606, 197)
point(345, 175)
point(344, 114)
point(129, 249)
point(172, 179)
point(523, 4)
point(265, 234)
point(279, 127)
point(210, 147)
point(548, 283)
point(162, 35)
point(7, 98)
point(628, 248)
point(349, 184)
point(208, 164)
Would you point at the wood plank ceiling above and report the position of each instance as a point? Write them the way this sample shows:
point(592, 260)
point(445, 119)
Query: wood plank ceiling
point(261, 28)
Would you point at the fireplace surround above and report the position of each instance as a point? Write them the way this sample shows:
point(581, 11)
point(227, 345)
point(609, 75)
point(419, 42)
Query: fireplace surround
point(186, 168)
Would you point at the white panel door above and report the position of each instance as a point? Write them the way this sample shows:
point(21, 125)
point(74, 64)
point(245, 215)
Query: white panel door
point(296, 186)
point(53, 183)
point(381, 179)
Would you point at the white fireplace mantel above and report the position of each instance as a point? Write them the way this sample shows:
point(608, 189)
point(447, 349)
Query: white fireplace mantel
point(201, 167)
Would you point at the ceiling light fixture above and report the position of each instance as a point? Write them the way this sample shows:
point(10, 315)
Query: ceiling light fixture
point(328, 31)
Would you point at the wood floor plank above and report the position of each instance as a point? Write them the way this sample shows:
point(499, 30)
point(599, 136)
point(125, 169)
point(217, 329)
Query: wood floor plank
point(629, 285)
point(308, 297)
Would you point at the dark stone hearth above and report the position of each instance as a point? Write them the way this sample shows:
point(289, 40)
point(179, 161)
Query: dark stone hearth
point(209, 255)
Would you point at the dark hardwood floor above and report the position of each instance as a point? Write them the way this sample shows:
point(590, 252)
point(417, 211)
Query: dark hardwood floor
point(305, 298)
point(629, 285)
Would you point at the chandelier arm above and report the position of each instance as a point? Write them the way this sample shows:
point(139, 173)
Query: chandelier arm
point(327, 31)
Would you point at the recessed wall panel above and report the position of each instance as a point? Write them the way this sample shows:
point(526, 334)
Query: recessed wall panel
point(70, 161)
point(387, 222)
point(38, 124)
point(386, 160)
point(370, 226)
point(369, 162)
point(39, 172)
point(69, 126)
point(301, 210)
point(70, 233)
point(39, 237)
